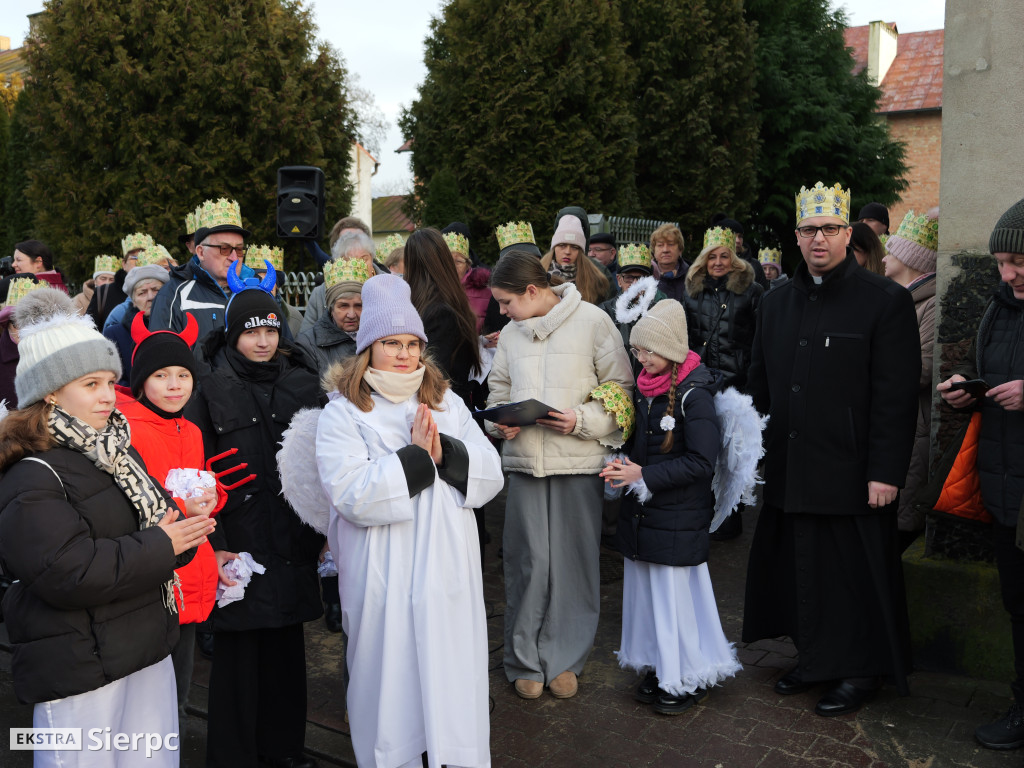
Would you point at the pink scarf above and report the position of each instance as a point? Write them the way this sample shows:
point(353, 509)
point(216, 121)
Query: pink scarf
point(652, 386)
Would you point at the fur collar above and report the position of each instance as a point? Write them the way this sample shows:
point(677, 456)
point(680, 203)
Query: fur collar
point(542, 327)
point(738, 282)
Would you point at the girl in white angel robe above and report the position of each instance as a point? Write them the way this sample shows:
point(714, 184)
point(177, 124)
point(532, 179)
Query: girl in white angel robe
point(404, 537)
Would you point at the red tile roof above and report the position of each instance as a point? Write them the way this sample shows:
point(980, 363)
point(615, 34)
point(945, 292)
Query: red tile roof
point(388, 215)
point(914, 81)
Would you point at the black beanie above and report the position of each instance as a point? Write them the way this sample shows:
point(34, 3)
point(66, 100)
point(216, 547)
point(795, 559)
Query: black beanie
point(159, 350)
point(249, 309)
point(1008, 235)
point(731, 224)
point(875, 211)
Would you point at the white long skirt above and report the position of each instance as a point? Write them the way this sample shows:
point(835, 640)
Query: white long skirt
point(145, 702)
point(670, 625)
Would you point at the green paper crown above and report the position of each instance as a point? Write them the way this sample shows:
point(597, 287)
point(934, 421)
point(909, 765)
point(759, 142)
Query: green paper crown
point(634, 255)
point(456, 243)
point(20, 287)
point(718, 236)
point(920, 230)
point(107, 264)
point(346, 271)
point(770, 256)
point(820, 200)
point(514, 233)
point(220, 213)
point(135, 241)
point(256, 254)
point(190, 223)
point(388, 244)
point(154, 254)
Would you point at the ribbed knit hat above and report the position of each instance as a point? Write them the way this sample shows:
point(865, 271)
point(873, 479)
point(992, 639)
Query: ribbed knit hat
point(1008, 236)
point(145, 272)
point(916, 242)
point(875, 211)
point(569, 232)
point(250, 309)
point(57, 346)
point(663, 331)
point(387, 311)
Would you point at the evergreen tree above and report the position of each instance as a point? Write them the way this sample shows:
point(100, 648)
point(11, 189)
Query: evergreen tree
point(18, 212)
point(818, 120)
point(697, 129)
point(141, 109)
point(443, 204)
point(527, 102)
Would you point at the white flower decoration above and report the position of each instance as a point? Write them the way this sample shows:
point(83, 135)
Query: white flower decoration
point(668, 423)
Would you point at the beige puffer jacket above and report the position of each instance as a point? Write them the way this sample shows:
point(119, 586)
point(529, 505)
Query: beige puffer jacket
point(558, 359)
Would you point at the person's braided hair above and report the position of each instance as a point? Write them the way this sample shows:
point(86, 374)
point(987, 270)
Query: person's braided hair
point(667, 443)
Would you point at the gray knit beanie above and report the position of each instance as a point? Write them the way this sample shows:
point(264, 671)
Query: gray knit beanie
point(663, 331)
point(387, 311)
point(145, 272)
point(57, 346)
point(1008, 236)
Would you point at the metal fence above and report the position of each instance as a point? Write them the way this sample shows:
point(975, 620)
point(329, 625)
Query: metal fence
point(297, 287)
point(626, 229)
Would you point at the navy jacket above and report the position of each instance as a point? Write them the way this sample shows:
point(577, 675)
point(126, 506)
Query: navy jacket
point(671, 528)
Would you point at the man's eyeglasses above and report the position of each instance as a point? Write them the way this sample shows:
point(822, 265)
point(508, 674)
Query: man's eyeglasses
point(392, 347)
point(225, 250)
point(828, 230)
point(629, 279)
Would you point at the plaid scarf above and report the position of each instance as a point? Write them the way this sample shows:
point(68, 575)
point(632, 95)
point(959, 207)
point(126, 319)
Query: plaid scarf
point(109, 451)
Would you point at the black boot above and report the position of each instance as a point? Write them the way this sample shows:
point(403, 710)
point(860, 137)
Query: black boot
point(204, 642)
point(1008, 731)
point(332, 616)
point(647, 691)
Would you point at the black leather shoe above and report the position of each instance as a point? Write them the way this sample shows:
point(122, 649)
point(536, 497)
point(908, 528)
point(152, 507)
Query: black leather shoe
point(647, 692)
point(791, 683)
point(332, 616)
point(1006, 732)
point(204, 642)
point(844, 698)
point(667, 704)
point(730, 528)
point(302, 761)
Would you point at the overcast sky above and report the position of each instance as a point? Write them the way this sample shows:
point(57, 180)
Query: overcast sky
point(382, 41)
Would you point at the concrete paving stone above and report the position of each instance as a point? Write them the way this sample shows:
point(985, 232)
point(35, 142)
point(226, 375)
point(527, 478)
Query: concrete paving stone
point(772, 737)
point(843, 753)
point(726, 724)
point(671, 758)
point(777, 758)
point(521, 716)
point(781, 647)
point(842, 729)
point(611, 750)
point(630, 718)
point(762, 711)
point(777, 660)
point(750, 656)
point(732, 754)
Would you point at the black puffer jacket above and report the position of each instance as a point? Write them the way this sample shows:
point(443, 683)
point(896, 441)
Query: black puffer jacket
point(235, 410)
point(87, 608)
point(721, 316)
point(672, 527)
point(997, 356)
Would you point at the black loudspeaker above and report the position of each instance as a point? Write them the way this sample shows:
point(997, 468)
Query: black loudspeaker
point(300, 201)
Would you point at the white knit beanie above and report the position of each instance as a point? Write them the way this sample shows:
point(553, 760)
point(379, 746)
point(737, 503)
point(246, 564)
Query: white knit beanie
point(57, 346)
point(663, 331)
point(569, 232)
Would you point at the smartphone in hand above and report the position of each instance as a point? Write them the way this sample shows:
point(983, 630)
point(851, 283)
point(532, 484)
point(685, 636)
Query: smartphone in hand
point(973, 387)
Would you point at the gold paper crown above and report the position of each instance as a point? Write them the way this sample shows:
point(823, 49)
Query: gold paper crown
point(389, 244)
point(770, 256)
point(920, 230)
point(717, 236)
point(257, 253)
point(190, 222)
point(456, 243)
point(155, 254)
point(20, 287)
point(820, 200)
point(634, 255)
point(883, 239)
point(135, 241)
point(220, 213)
point(346, 271)
point(514, 233)
point(106, 264)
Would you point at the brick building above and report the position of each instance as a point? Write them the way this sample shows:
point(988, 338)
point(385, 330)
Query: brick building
point(908, 69)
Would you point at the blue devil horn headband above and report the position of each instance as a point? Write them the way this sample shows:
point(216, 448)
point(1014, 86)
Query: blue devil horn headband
point(237, 284)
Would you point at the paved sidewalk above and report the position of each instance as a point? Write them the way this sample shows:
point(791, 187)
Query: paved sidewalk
point(742, 724)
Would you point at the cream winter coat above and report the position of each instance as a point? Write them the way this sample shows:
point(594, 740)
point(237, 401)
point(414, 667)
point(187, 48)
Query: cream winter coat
point(559, 359)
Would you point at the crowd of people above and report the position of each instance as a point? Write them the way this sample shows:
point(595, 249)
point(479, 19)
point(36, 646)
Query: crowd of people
point(145, 508)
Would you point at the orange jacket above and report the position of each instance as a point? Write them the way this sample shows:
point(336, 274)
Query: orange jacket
point(961, 492)
point(167, 444)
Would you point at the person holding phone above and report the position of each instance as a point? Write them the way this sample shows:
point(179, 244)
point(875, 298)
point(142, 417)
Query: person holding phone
point(557, 349)
point(995, 357)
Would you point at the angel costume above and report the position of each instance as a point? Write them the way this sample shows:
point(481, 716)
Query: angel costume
point(404, 537)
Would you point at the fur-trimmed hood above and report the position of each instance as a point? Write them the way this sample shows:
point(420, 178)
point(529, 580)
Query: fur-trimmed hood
point(738, 281)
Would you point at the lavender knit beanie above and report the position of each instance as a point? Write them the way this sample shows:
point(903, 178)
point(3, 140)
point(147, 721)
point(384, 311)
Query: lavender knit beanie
point(387, 311)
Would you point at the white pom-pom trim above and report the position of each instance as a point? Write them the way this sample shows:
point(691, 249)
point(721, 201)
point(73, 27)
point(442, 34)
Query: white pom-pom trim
point(668, 422)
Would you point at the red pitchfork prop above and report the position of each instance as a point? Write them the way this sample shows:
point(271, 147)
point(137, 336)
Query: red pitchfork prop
point(229, 470)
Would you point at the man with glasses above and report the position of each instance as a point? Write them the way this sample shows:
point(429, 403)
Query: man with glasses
point(836, 363)
point(200, 287)
point(603, 250)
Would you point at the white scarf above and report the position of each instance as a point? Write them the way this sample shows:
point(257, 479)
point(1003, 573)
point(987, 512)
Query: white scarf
point(396, 387)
